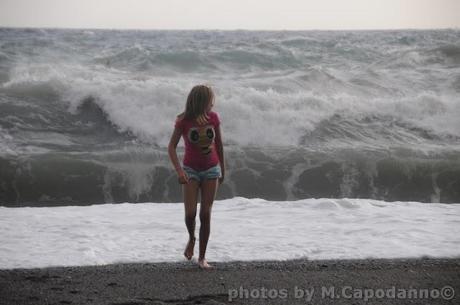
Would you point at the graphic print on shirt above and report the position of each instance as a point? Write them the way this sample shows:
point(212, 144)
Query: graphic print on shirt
point(203, 137)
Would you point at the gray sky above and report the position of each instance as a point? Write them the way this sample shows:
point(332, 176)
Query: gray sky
point(231, 14)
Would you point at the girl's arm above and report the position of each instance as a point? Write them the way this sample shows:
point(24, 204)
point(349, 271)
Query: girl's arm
point(175, 138)
point(220, 150)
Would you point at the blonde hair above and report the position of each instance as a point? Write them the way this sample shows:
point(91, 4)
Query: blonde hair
point(197, 101)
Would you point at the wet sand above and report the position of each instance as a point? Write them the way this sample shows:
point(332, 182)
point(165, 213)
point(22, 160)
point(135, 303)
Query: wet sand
point(238, 282)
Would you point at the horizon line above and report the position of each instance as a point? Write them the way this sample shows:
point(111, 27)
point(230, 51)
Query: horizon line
point(229, 30)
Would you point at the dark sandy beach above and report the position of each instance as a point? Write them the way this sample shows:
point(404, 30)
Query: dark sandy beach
point(256, 282)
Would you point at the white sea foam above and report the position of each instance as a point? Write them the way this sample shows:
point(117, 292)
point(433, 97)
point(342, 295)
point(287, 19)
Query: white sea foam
point(242, 229)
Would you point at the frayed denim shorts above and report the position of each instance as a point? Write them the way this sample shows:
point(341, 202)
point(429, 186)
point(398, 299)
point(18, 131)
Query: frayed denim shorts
point(210, 173)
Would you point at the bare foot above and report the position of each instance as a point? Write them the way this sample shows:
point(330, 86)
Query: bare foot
point(188, 253)
point(203, 264)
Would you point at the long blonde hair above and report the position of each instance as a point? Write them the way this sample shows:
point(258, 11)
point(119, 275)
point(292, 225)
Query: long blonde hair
point(197, 101)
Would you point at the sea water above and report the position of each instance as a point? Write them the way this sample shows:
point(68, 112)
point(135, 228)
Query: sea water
point(86, 115)
point(338, 144)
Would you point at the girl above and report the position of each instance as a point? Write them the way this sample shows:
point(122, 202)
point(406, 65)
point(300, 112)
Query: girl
point(203, 164)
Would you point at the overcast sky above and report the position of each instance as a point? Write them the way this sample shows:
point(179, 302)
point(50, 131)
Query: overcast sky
point(231, 14)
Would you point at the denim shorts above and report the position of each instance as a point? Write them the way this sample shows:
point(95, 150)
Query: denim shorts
point(210, 173)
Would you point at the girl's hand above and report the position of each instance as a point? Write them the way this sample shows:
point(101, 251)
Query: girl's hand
point(221, 179)
point(182, 177)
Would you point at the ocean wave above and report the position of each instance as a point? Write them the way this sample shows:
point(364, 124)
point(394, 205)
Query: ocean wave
point(138, 58)
point(137, 173)
point(314, 89)
point(451, 52)
point(297, 114)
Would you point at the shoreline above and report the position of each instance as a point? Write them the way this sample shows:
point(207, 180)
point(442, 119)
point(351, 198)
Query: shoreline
point(235, 282)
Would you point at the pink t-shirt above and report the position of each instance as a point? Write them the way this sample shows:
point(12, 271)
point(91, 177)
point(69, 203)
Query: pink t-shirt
point(200, 149)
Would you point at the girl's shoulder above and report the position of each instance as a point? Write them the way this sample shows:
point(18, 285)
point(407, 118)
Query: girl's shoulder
point(179, 120)
point(214, 117)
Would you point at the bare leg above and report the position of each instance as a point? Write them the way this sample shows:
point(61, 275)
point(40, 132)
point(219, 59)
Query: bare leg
point(190, 192)
point(208, 194)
